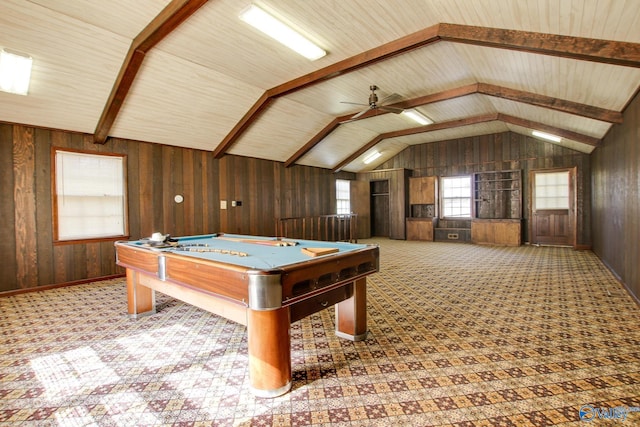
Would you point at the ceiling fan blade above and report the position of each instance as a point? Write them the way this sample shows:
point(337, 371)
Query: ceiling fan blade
point(373, 104)
point(352, 103)
point(386, 99)
point(392, 109)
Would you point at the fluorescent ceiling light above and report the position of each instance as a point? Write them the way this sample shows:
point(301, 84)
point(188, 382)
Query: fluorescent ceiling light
point(272, 27)
point(15, 72)
point(417, 117)
point(546, 136)
point(371, 157)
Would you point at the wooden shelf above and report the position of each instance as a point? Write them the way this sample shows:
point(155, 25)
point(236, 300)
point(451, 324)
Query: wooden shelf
point(496, 180)
point(497, 195)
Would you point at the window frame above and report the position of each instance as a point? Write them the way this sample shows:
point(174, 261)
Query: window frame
point(54, 198)
point(348, 185)
point(442, 197)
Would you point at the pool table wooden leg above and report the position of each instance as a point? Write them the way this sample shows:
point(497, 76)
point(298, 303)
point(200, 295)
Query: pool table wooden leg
point(141, 299)
point(269, 351)
point(351, 314)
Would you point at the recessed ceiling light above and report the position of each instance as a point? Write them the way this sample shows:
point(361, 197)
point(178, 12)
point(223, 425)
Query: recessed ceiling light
point(417, 116)
point(371, 157)
point(15, 72)
point(546, 136)
point(277, 30)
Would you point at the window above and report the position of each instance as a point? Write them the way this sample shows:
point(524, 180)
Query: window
point(343, 197)
point(552, 190)
point(456, 197)
point(89, 196)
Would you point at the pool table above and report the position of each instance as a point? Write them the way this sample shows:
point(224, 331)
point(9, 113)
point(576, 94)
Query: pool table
point(264, 283)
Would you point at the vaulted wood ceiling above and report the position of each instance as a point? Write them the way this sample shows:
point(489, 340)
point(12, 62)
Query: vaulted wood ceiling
point(189, 73)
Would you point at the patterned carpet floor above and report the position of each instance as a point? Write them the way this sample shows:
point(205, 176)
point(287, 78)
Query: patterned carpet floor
point(460, 335)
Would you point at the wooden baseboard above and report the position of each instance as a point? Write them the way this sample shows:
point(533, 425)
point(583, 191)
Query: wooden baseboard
point(58, 285)
point(634, 297)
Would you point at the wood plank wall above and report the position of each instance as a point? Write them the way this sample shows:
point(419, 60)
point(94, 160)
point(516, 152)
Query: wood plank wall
point(498, 152)
point(616, 199)
point(156, 173)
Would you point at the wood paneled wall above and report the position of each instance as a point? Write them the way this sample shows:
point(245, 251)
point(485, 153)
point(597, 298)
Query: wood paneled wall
point(156, 173)
point(498, 152)
point(616, 199)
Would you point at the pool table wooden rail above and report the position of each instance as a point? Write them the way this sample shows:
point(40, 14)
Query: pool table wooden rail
point(191, 271)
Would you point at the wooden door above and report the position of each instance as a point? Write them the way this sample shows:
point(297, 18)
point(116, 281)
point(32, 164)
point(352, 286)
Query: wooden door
point(553, 211)
point(380, 208)
point(361, 206)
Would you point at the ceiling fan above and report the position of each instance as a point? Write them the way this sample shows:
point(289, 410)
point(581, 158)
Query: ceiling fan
point(373, 103)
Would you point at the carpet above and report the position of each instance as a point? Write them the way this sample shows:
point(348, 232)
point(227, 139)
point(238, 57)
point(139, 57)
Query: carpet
point(460, 335)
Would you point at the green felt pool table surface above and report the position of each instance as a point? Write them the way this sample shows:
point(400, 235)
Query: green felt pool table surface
point(253, 255)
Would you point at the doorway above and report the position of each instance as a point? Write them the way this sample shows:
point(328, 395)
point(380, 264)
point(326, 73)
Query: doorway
point(553, 212)
point(379, 208)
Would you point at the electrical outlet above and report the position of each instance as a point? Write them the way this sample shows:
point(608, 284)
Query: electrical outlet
point(452, 236)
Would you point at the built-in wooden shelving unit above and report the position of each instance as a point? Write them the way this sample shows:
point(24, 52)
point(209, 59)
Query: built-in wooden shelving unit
point(423, 208)
point(497, 208)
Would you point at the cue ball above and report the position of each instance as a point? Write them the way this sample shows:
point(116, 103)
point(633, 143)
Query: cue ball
point(178, 198)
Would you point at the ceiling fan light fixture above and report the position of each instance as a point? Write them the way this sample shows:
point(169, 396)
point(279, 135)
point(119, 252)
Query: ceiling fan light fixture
point(371, 157)
point(547, 136)
point(417, 116)
point(15, 72)
point(279, 31)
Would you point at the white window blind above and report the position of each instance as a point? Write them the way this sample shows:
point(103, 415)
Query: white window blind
point(343, 197)
point(552, 190)
point(90, 195)
point(456, 197)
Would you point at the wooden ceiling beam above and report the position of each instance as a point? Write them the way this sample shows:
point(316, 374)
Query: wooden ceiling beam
point(358, 153)
point(574, 136)
point(483, 118)
point(128, 71)
point(174, 14)
point(402, 45)
point(581, 48)
point(313, 142)
point(575, 108)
